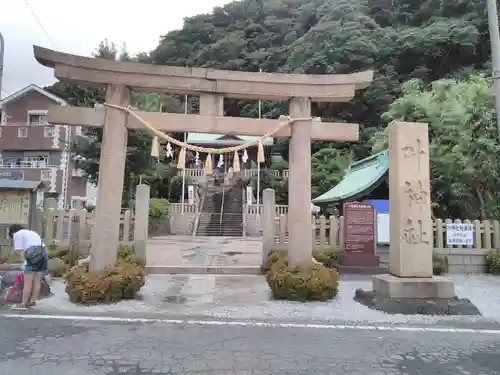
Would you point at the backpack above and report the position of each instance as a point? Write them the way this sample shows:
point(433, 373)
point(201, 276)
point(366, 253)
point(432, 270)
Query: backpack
point(34, 255)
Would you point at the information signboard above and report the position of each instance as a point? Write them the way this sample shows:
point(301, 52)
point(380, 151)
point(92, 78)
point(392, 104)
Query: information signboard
point(360, 228)
point(460, 234)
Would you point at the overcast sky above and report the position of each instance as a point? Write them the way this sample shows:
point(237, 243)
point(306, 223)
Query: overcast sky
point(78, 26)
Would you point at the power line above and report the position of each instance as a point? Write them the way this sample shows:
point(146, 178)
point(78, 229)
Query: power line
point(39, 23)
point(6, 92)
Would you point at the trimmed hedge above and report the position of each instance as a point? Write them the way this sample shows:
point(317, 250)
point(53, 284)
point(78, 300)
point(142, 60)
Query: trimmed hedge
point(307, 282)
point(116, 283)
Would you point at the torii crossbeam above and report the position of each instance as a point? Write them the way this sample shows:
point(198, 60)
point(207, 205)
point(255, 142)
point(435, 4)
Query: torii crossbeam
point(120, 78)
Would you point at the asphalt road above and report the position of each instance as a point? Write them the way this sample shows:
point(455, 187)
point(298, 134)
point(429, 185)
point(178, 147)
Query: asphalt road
point(62, 347)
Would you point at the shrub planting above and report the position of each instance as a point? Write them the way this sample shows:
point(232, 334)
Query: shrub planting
point(57, 267)
point(306, 282)
point(493, 262)
point(439, 264)
point(119, 282)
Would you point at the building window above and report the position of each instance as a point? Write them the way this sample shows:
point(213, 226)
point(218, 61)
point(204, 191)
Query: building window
point(36, 119)
point(22, 132)
point(48, 131)
point(45, 175)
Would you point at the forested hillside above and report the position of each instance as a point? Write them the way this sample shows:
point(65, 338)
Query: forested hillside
point(402, 40)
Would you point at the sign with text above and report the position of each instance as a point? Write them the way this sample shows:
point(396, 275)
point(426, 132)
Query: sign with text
point(249, 195)
point(459, 234)
point(190, 194)
point(11, 175)
point(359, 228)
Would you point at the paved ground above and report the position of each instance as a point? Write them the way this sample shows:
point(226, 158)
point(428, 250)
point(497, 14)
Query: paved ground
point(62, 347)
point(203, 251)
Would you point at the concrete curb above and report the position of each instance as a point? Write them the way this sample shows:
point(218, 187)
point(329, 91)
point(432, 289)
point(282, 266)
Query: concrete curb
point(203, 270)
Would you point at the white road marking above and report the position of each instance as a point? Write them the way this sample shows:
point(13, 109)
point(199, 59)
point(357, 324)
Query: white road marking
point(249, 323)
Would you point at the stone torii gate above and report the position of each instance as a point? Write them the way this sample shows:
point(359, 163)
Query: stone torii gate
point(120, 78)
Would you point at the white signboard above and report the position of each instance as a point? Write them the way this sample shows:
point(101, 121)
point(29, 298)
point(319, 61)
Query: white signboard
point(383, 229)
point(459, 234)
point(249, 195)
point(190, 194)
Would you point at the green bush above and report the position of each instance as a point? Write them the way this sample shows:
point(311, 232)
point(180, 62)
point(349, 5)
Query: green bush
point(493, 262)
point(119, 282)
point(158, 208)
point(439, 264)
point(14, 257)
point(125, 251)
point(54, 251)
point(57, 267)
point(327, 256)
point(273, 257)
point(175, 187)
point(307, 282)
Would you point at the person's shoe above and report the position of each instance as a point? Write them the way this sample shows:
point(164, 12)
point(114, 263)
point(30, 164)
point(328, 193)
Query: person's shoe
point(31, 304)
point(20, 307)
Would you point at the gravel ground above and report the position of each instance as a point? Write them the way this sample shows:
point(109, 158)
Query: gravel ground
point(247, 297)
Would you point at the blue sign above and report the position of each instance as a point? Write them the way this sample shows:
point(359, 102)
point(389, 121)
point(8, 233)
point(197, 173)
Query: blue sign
point(381, 205)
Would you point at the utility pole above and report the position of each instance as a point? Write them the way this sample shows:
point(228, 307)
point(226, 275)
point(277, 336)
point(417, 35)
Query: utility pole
point(491, 6)
point(2, 50)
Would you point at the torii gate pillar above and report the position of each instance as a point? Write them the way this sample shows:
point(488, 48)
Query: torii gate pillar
point(106, 229)
point(299, 184)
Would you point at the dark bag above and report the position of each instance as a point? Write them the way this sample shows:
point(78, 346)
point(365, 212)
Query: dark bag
point(34, 255)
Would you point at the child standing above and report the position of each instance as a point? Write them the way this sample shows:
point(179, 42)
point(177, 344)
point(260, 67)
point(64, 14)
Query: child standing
point(36, 262)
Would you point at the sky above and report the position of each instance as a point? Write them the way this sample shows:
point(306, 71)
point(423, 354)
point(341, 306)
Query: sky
point(77, 27)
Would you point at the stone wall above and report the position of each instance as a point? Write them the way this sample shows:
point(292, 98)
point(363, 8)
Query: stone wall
point(460, 261)
point(182, 224)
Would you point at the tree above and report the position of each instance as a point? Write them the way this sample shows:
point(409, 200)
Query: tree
point(400, 39)
point(328, 166)
point(464, 150)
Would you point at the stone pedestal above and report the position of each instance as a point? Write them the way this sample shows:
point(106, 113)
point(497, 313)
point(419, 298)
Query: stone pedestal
point(413, 287)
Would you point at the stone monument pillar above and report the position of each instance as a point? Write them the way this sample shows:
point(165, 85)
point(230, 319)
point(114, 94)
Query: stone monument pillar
point(411, 233)
point(267, 222)
point(411, 236)
point(141, 220)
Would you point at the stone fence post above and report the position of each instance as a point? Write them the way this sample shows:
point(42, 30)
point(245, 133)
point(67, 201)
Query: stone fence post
point(141, 220)
point(267, 222)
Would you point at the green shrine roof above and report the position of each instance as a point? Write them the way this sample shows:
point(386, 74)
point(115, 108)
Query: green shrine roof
point(360, 178)
point(215, 138)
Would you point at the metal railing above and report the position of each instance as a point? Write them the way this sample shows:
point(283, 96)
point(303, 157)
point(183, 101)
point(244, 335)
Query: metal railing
point(27, 124)
point(200, 174)
point(222, 206)
point(24, 162)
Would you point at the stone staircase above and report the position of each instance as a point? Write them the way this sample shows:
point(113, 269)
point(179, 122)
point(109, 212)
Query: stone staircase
point(230, 224)
point(232, 217)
